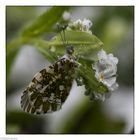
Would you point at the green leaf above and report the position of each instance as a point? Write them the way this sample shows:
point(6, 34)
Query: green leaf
point(83, 42)
point(11, 53)
point(85, 45)
point(90, 80)
point(42, 24)
point(45, 22)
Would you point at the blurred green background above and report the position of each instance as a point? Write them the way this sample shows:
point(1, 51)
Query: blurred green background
point(114, 26)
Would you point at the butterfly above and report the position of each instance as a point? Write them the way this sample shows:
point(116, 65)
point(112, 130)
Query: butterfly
point(50, 87)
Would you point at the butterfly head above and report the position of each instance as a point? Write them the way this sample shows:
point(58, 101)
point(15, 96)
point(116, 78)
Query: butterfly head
point(69, 50)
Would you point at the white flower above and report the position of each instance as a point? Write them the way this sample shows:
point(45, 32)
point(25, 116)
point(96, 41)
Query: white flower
point(66, 16)
point(80, 25)
point(86, 24)
point(77, 24)
point(105, 69)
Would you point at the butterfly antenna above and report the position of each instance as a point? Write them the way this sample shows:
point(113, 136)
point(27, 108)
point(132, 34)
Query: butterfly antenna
point(69, 49)
point(61, 36)
point(65, 40)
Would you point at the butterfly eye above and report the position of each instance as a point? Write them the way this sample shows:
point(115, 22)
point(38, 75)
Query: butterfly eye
point(70, 50)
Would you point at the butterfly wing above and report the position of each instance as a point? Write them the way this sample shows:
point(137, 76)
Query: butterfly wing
point(49, 88)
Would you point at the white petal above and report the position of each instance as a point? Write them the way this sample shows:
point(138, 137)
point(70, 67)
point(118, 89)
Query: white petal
point(113, 59)
point(86, 24)
point(103, 62)
point(114, 87)
point(97, 75)
point(110, 71)
point(99, 96)
point(66, 15)
point(96, 67)
point(109, 82)
point(102, 55)
point(78, 22)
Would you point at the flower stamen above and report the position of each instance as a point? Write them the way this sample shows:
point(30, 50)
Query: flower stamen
point(101, 77)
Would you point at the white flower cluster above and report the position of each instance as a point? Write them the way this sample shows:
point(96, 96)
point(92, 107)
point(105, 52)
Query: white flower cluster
point(105, 69)
point(80, 25)
point(66, 16)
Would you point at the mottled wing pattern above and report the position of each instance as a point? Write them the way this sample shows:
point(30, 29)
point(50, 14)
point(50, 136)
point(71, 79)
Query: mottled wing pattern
point(49, 88)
